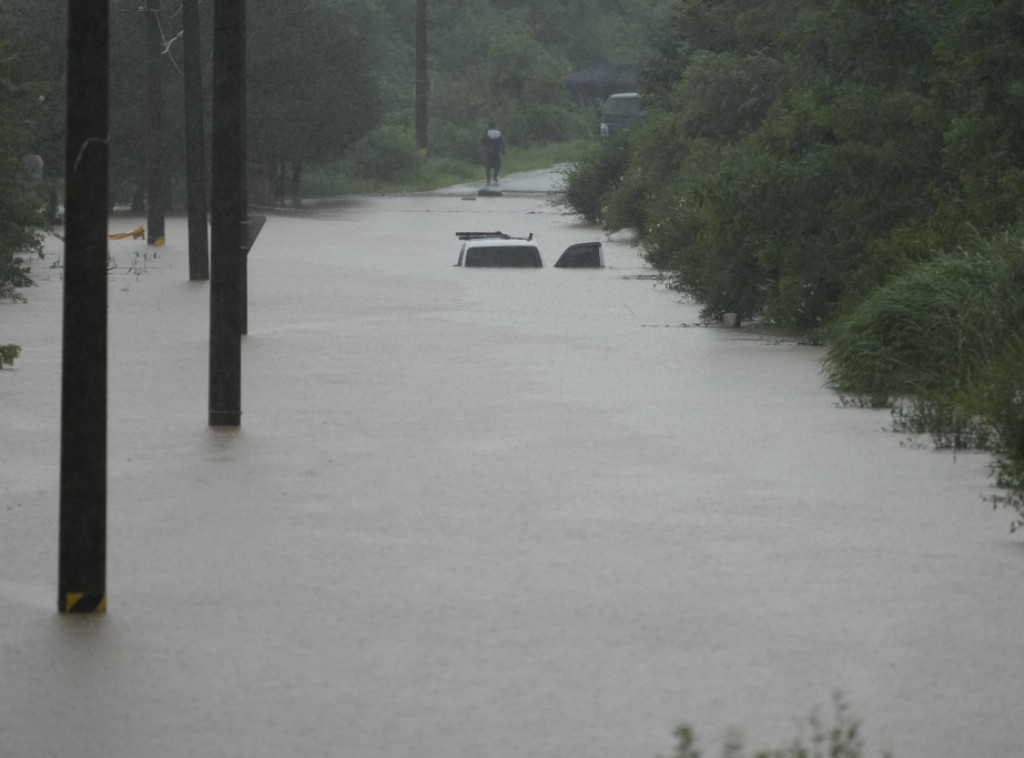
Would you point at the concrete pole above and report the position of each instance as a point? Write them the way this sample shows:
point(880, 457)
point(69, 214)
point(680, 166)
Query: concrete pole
point(228, 211)
point(83, 443)
point(195, 149)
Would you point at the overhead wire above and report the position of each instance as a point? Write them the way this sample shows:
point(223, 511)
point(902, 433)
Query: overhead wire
point(166, 43)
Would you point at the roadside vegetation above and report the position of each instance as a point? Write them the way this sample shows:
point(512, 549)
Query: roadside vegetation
point(839, 737)
point(22, 199)
point(379, 165)
point(850, 171)
point(942, 345)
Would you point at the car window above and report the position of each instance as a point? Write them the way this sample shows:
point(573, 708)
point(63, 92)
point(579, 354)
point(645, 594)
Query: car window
point(622, 106)
point(513, 256)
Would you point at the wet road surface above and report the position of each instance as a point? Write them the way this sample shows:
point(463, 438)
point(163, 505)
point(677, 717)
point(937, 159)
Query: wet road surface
point(479, 512)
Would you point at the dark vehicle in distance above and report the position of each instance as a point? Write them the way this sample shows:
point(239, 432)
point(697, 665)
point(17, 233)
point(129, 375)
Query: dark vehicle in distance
point(620, 113)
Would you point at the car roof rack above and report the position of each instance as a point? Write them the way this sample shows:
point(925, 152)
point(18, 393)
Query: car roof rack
point(489, 235)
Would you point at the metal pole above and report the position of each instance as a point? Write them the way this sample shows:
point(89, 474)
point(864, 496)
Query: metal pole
point(228, 210)
point(195, 149)
point(155, 180)
point(83, 442)
point(422, 79)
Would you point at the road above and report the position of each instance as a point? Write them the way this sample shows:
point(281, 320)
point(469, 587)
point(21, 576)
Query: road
point(480, 512)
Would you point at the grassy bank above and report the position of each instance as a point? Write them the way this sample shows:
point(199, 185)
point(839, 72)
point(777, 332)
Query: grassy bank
point(409, 172)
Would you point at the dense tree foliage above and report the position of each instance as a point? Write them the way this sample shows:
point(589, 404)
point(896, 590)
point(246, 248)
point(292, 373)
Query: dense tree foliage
point(21, 168)
point(311, 90)
point(507, 62)
point(800, 153)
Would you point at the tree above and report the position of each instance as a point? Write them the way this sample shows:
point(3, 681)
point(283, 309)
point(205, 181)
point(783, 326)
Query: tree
point(981, 82)
point(22, 199)
point(312, 93)
point(37, 31)
point(794, 154)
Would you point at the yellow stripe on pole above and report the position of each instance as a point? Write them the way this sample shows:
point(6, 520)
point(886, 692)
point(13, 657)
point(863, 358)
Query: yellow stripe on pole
point(79, 602)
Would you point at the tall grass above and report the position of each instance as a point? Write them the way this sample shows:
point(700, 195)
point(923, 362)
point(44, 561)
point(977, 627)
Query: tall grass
point(943, 346)
point(931, 330)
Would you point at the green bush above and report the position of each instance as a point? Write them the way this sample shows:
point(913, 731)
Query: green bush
point(545, 122)
point(8, 353)
point(456, 141)
point(995, 402)
point(589, 181)
point(387, 154)
point(930, 331)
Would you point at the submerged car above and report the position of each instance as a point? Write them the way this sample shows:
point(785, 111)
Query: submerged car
point(497, 249)
point(500, 250)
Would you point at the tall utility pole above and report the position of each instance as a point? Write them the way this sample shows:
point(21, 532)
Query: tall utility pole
point(83, 440)
point(228, 214)
point(422, 78)
point(195, 150)
point(155, 179)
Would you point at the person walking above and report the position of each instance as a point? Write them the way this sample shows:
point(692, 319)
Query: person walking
point(493, 146)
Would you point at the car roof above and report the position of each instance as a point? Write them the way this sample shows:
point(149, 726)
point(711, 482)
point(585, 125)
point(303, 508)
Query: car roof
point(499, 242)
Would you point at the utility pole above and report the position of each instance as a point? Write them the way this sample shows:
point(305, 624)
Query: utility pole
point(195, 150)
point(422, 79)
point(83, 440)
point(155, 179)
point(228, 214)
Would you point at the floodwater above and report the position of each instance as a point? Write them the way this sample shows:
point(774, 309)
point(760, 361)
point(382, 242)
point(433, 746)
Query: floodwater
point(483, 512)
